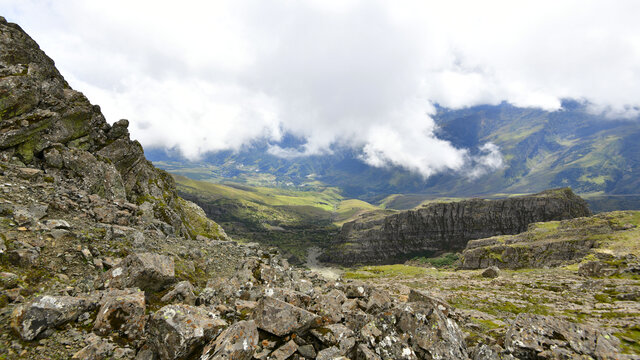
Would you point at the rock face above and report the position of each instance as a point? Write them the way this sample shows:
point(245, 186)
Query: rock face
point(49, 126)
point(547, 244)
point(448, 226)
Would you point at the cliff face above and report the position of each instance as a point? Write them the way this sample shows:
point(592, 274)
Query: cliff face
point(45, 124)
point(448, 226)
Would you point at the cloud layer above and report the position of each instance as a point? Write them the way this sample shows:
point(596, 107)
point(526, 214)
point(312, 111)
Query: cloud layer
point(358, 73)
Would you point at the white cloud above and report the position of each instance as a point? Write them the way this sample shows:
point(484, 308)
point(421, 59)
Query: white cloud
point(206, 76)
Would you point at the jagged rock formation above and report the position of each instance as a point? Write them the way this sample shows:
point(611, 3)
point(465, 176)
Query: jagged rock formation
point(47, 125)
point(447, 226)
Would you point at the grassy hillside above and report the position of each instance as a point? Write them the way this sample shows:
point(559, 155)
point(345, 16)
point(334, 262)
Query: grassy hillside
point(292, 220)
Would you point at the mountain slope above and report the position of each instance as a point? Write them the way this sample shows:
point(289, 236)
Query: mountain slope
point(571, 147)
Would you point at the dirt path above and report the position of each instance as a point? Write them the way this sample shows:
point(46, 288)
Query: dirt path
point(314, 265)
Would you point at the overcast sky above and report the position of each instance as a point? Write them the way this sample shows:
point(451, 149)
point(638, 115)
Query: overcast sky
point(205, 76)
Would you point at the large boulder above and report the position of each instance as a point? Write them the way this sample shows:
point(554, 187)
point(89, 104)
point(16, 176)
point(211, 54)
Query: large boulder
point(280, 318)
point(122, 312)
point(237, 342)
point(544, 337)
point(39, 317)
point(146, 271)
point(178, 331)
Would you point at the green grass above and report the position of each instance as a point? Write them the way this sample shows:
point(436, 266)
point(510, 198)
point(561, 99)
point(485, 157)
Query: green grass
point(442, 261)
point(387, 271)
point(630, 340)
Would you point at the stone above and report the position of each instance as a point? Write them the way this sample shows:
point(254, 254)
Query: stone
point(177, 331)
point(491, 272)
point(57, 224)
point(29, 215)
point(308, 351)
point(356, 289)
point(182, 292)
point(284, 351)
point(237, 342)
point(8, 280)
point(122, 311)
point(591, 269)
point(336, 335)
point(330, 353)
point(365, 353)
point(97, 349)
point(378, 301)
point(47, 312)
point(537, 336)
point(280, 318)
point(22, 257)
point(431, 333)
point(146, 271)
point(423, 296)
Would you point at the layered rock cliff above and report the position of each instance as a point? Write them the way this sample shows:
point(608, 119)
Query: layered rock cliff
point(47, 125)
point(447, 226)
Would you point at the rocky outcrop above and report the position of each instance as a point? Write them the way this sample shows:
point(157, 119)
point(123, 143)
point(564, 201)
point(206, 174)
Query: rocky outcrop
point(44, 124)
point(549, 244)
point(447, 226)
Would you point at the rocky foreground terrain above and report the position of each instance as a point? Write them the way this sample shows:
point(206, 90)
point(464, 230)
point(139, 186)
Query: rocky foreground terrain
point(100, 259)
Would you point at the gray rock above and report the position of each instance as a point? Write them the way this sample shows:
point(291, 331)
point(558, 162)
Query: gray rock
point(308, 351)
point(280, 318)
point(284, 351)
point(57, 224)
point(237, 342)
point(97, 349)
point(47, 312)
point(122, 311)
point(423, 296)
point(177, 331)
point(537, 336)
point(146, 271)
point(336, 335)
point(491, 272)
point(182, 292)
point(8, 280)
point(591, 269)
point(330, 353)
point(431, 333)
point(378, 301)
point(23, 257)
point(365, 353)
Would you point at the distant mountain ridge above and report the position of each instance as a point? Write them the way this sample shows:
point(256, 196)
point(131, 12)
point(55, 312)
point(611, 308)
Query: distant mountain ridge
point(590, 153)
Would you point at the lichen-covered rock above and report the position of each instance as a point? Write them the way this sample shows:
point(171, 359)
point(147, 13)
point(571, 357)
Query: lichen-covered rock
point(122, 312)
point(178, 331)
point(538, 337)
point(284, 351)
point(8, 280)
point(237, 342)
point(146, 271)
point(423, 296)
point(336, 335)
point(280, 318)
point(45, 313)
point(97, 349)
point(182, 292)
